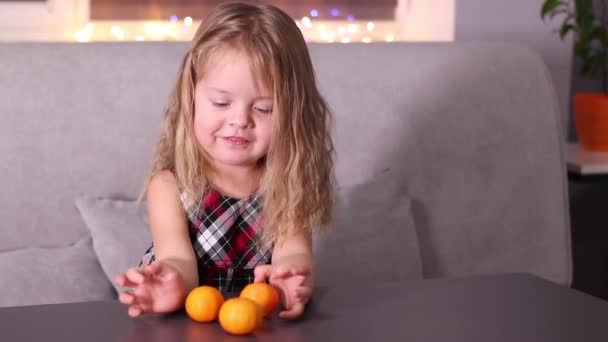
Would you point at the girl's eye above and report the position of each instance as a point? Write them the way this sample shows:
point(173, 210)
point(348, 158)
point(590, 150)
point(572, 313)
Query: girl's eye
point(220, 104)
point(264, 110)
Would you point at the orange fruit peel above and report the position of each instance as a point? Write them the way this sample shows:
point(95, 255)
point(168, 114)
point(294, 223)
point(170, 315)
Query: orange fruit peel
point(203, 304)
point(264, 294)
point(240, 316)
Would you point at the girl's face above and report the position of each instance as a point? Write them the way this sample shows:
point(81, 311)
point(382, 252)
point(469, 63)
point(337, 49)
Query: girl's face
point(233, 112)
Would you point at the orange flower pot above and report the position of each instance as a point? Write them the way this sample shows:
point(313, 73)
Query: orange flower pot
point(591, 120)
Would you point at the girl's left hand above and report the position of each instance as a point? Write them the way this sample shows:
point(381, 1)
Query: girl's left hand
point(294, 283)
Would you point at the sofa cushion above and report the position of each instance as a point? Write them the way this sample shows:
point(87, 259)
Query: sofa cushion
point(374, 235)
point(33, 276)
point(119, 229)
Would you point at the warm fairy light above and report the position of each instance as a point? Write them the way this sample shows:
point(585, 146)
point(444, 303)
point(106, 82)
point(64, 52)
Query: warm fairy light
point(306, 22)
point(117, 32)
point(82, 36)
point(156, 31)
point(343, 30)
point(328, 36)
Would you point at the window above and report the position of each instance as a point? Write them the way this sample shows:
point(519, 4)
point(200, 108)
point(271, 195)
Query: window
point(160, 20)
point(196, 9)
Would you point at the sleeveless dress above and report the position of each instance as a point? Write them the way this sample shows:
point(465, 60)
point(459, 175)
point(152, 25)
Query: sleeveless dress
point(224, 233)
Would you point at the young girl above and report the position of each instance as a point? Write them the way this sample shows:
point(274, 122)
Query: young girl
point(243, 169)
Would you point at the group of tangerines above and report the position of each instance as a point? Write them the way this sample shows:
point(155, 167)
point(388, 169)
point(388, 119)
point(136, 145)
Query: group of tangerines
point(238, 316)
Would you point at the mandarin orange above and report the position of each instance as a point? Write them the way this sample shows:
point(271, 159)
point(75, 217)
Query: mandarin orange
point(264, 294)
point(203, 303)
point(240, 316)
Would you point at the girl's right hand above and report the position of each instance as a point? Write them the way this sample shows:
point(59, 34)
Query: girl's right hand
point(155, 288)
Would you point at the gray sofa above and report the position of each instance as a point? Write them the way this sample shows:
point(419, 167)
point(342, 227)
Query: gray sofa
point(449, 163)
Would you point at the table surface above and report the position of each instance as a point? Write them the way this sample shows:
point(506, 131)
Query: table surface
point(512, 307)
point(585, 162)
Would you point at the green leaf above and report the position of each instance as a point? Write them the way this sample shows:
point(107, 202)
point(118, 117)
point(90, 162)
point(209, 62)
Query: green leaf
point(565, 29)
point(585, 68)
point(557, 12)
point(581, 50)
point(597, 64)
point(600, 34)
point(548, 7)
point(584, 8)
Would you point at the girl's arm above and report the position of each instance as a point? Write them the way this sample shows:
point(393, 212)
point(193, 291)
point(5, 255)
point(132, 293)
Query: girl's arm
point(169, 228)
point(163, 285)
point(292, 272)
point(294, 249)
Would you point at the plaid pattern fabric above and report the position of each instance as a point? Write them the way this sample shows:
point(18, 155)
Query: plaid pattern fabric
point(224, 234)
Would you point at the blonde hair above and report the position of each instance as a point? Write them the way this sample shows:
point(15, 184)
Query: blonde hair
point(297, 182)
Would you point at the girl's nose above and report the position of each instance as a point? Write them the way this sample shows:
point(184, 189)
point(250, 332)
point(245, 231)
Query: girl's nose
point(239, 117)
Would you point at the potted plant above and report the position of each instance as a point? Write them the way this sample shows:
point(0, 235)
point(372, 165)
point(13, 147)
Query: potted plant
point(591, 48)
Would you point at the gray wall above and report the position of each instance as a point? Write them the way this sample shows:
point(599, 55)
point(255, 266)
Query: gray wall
point(518, 21)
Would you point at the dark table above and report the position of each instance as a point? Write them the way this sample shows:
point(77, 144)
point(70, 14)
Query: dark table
point(514, 307)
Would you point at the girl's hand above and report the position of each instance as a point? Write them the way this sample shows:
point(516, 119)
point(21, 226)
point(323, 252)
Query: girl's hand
point(156, 288)
point(294, 283)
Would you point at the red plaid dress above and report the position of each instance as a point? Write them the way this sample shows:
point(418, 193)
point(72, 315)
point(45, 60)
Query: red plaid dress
point(224, 233)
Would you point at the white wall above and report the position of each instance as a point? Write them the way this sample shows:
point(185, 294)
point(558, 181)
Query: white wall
point(49, 20)
point(426, 20)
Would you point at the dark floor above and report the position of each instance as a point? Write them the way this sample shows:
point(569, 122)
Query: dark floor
point(589, 224)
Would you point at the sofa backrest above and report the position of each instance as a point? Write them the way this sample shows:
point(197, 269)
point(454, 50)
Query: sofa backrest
point(472, 129)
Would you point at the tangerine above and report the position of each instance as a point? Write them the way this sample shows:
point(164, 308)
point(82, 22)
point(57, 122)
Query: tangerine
point(240, 316)
point(203, 303)
point(264, 294)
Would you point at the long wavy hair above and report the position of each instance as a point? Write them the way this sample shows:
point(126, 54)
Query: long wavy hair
point(297, 182)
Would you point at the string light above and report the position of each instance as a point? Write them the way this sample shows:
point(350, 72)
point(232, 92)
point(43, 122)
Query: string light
point(328, 36)
point(117, 32)
point(82, 36)
point(306, 22)
point(342, 30)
